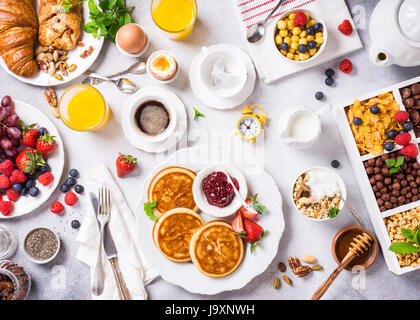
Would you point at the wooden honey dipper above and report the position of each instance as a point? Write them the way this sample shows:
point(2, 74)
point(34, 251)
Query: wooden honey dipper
point(359, 245)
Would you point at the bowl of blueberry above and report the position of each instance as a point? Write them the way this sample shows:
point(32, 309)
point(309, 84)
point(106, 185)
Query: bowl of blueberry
point(214, 193)
point(300, 36)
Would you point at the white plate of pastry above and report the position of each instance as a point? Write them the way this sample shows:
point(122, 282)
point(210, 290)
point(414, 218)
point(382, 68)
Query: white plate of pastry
point(46, 25)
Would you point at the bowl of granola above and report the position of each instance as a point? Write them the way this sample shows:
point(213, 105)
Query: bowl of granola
point(317, 194)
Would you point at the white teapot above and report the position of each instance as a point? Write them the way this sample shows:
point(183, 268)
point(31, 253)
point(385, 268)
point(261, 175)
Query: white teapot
point(395, 33)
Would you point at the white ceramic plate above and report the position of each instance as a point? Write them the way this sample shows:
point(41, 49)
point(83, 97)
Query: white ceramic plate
point(200, 198)
point(141, 142)
point(27, 204)
point(206, 96)
point(43, 79)
point(186, 275)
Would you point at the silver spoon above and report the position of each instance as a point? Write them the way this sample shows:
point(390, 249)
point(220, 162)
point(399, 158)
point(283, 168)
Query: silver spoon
point(124, 84)
point(256, 32)
point(352, 211)
point(137, 68)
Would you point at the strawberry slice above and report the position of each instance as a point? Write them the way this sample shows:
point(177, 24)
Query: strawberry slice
point(259, 207)
point(237, 224)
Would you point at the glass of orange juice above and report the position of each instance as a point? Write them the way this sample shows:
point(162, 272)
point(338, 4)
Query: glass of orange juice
point(83, 108)
point(175, 17)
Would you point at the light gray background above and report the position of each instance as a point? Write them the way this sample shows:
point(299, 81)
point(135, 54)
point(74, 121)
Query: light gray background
point(218, 23)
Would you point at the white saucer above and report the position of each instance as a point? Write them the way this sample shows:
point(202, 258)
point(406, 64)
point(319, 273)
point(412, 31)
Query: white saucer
point(175, 137)
point(206, 96)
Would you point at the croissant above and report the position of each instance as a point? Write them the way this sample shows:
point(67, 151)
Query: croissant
point(18, 29)
point(56, 28)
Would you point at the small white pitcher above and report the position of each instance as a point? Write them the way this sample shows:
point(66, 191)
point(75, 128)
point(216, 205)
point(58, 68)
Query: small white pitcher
point(288, 118)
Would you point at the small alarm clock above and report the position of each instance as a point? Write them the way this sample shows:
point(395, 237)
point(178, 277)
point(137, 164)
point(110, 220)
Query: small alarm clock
point(249, 126)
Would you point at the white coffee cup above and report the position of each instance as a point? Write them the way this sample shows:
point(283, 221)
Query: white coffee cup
point(136, 103)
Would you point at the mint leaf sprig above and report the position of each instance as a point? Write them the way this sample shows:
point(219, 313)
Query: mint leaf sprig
point(149, 209)
point(333, 212)
point(406, 247)
point(105, 19)
point(197, 114)
point(395, 165)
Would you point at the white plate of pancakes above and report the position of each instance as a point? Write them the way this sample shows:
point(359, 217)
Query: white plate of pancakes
point(43, 79)
point(188, 232)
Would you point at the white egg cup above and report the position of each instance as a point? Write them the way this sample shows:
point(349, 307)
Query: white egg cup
point(149, 60)
point(133, 55)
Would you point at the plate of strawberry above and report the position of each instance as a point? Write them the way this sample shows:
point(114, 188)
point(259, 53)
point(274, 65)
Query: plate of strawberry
point(31, 158)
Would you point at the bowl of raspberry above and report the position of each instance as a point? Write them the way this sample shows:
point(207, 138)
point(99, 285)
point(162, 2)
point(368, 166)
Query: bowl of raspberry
point(213, 192)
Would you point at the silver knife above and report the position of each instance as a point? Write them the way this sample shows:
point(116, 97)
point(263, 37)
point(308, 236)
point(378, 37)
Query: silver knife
point(98, 276)
point(112, 255)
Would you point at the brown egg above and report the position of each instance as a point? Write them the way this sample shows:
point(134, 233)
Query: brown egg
point(131, 38)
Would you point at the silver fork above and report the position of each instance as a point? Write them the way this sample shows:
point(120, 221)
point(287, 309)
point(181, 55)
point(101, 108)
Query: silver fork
point(103, 218)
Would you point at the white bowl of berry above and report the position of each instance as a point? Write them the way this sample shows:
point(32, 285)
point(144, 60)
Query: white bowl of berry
point(214, 194)
point(300, 36)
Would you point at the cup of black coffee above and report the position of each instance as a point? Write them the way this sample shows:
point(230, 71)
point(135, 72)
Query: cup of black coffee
point(154, 119)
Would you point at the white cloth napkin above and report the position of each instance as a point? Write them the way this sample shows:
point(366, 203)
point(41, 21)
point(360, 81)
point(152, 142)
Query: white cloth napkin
point(269, 64)
point(137, 272)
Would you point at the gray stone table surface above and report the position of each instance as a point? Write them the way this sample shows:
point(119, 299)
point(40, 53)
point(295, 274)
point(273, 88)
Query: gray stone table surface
point(68, 278)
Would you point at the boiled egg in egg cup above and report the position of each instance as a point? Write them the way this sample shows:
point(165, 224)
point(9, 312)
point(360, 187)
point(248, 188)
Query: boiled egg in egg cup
point(131, 40)
point(162, 67)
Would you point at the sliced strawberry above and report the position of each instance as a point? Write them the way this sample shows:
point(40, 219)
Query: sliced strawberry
point(247, 213)
point(237, 224)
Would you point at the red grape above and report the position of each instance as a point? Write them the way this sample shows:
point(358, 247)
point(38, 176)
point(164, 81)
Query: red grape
point(3, 131)
point(6, 144)
point(9, 111)
point(6, 101)
point(14, 133)
point(12, 153)
point(12, 120)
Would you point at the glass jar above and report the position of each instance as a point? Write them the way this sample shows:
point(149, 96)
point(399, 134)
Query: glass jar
point(15, 283)
point(8, 242)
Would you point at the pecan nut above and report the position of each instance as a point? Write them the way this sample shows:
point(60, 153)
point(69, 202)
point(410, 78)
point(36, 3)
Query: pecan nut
point(51, 97)
point(294, 263)
point(302, 271)
point(86, 53)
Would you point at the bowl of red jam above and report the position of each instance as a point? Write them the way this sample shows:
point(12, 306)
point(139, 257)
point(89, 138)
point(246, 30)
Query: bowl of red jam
point(214, 193)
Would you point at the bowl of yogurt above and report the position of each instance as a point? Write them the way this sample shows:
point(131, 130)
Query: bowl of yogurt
point(317, 193)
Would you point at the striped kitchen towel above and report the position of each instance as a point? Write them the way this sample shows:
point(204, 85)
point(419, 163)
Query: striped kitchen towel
point(255, 11)
point(268, 62)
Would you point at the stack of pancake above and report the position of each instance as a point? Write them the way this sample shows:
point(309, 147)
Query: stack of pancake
point(181, 234)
